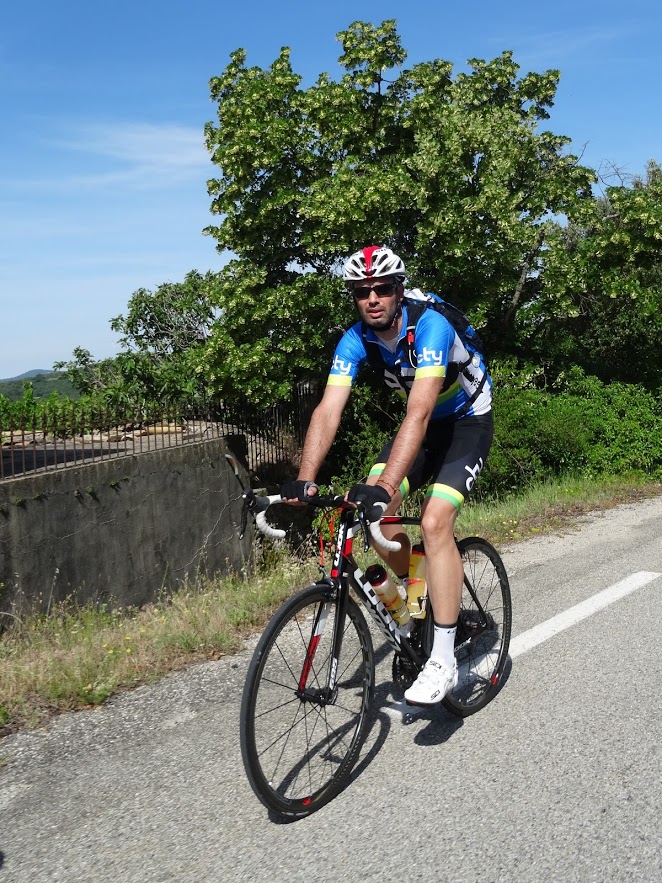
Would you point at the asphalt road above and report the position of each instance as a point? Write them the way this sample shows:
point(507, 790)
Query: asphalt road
point(559, 779)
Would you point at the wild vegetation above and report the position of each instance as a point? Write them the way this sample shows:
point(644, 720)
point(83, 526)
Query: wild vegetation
point(459, 172)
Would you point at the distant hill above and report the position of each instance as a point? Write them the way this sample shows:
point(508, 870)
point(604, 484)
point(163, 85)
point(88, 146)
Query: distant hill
point(28, 375)
point(43, 383)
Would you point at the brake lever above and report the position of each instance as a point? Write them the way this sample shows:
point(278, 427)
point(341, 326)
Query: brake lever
point(365, 527)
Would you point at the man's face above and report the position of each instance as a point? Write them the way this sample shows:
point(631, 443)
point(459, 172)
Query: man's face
point(377, 301)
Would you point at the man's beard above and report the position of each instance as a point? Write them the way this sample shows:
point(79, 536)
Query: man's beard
point(380, 326)
point(383, 324)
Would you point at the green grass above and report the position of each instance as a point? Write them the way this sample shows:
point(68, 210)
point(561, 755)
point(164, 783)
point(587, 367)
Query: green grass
point(76, 657)
point(550, 505)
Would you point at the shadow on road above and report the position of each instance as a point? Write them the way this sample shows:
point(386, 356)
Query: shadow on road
point(442, 724)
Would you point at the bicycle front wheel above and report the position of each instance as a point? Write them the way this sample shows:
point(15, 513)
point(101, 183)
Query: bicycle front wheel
point(302, 723)
point(483, 628)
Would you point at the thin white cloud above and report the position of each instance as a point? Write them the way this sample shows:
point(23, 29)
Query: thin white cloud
point(109, 154)
point(141, 144)
point(556, 48)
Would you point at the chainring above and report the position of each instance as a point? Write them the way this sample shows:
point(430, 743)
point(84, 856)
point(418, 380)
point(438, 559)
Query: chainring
point(404, 670)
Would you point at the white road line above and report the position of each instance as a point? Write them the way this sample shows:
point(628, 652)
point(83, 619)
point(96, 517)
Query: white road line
point(545, 630)
point(539, 633)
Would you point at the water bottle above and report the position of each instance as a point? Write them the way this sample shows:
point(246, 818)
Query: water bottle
point(416, 588)
point(387, 593)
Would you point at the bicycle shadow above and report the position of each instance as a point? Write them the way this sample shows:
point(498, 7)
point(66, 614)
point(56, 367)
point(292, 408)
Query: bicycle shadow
point(442, 724)
point(379, 727)
point(377, 718)
point(391, 710)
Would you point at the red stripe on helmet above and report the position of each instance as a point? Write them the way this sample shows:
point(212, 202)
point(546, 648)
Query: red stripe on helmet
point(367, 254)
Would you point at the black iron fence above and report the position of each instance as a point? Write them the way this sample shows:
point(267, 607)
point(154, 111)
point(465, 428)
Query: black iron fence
point(71, 434)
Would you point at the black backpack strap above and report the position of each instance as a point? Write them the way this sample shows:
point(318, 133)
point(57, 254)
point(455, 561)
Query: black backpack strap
point(467, 405)
point(415, 309)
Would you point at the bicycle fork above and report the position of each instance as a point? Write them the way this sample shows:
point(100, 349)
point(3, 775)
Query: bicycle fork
point(325, 694)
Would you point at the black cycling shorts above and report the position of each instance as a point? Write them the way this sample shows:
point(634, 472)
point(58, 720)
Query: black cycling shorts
point(450, 459)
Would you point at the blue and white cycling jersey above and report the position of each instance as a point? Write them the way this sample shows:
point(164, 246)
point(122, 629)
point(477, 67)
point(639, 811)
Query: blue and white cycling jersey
point(439, 350)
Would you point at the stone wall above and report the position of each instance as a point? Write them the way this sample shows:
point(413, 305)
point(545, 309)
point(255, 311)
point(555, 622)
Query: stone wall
point(119, 531)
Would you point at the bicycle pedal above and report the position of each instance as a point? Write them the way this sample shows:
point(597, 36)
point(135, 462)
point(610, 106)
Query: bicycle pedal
point(403, 711)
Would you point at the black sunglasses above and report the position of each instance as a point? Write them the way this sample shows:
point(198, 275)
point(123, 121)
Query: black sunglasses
point(382, 289)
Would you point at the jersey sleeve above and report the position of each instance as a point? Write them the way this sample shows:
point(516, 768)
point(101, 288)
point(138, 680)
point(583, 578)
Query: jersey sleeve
point(435, 338)
point(349, 356)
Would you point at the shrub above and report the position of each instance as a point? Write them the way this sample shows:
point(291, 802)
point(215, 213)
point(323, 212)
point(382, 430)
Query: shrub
point(581, 426)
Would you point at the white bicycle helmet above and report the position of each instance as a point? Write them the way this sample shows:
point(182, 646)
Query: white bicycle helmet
point(371, 263)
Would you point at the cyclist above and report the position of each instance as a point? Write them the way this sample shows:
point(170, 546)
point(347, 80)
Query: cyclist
point(443, 440)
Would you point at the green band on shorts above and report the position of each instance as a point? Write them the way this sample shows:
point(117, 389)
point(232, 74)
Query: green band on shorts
point(378, 468)
point(444, 492)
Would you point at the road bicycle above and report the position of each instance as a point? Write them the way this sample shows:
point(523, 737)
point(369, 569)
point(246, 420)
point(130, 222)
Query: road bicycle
point(309, 686)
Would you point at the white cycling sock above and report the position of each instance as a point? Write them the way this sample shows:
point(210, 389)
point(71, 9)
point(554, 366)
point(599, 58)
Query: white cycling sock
point(443, 647)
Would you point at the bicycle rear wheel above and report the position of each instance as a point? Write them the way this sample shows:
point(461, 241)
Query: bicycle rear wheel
point(483, 631)
point(299, 741)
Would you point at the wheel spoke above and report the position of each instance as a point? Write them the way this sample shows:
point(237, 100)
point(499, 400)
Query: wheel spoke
point(299, 744)
point(483, 632)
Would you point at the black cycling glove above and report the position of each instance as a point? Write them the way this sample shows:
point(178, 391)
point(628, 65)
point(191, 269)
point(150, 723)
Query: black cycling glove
point(372, 497)
point(297, 489)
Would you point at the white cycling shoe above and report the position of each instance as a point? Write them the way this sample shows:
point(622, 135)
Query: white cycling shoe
point(432, 684)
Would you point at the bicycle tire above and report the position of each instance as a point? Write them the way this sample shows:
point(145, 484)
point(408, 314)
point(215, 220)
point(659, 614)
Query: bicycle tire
point(481, 647)
point(299, 754)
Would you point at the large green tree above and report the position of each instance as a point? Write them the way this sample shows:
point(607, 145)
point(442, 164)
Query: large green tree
point(600, 298)
point(454, 172)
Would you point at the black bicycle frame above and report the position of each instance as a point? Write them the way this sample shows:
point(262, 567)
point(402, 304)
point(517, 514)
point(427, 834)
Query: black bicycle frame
point(345, 572)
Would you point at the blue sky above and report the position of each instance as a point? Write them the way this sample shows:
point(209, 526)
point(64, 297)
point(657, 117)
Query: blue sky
point(102, 161)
